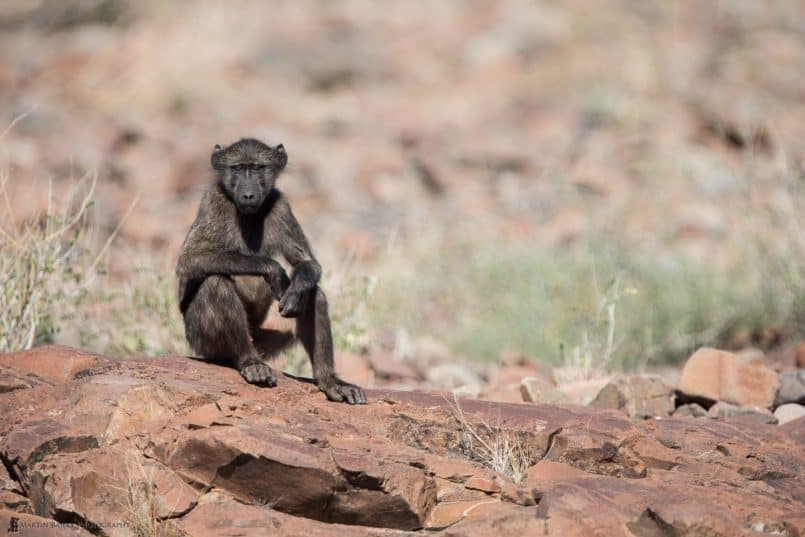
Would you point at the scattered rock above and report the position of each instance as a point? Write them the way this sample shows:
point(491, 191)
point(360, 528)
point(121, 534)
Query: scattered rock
point(580, 391)
point(792, 388)
point(693, 410)
point(715, 375)
point(789, 412)
point(503, 380)
point(639, 396)
point(745, 414)
point(539, 390)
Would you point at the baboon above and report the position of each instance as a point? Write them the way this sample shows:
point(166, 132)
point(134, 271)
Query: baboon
point(229, 276)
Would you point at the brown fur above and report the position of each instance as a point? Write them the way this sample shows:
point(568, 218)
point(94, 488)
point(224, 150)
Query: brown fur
point(228, 275)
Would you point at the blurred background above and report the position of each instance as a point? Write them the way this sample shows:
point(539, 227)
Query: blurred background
point(493, 187)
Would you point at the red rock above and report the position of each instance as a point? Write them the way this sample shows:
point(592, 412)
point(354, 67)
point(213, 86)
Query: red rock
point(581, 392)
point(722, 376)
point(205, 416)
point(285, 461)
point(54, 363)
point(15, 501)
point(485, 485)
point(218, 514)
point(638, 396)
point(33, 526)
point(504, 394)
point(519, 494)
point(447, 514)
point(96, 485)
point(546, 471)
point(538, 390)
point(447, 491)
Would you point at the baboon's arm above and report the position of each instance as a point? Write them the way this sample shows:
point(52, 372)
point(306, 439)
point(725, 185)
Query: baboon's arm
point(199, 265)
point(306, 269)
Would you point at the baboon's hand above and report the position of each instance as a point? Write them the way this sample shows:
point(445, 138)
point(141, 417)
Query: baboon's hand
point(258, 373)
point(291, 303)
point(341, 391)
point(276, 277)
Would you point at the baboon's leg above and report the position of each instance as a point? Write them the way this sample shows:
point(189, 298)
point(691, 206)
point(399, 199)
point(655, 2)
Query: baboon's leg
point(257, 294)
point(217, 328)
point(270, 343)
point(313, 330)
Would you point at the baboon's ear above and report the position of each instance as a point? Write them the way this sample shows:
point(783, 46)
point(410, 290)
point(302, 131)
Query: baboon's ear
point(215, 158)
point(280, 156)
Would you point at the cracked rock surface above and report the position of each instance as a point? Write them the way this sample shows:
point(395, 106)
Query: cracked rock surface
point(89, 441)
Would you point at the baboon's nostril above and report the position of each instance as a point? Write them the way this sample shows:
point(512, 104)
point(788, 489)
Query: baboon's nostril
point(247, 196)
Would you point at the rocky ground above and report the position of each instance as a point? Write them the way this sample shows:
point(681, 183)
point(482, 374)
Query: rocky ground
point(165, 446)
point(492, 186)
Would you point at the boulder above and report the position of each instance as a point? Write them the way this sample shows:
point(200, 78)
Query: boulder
point(583, 391)
point(714, 375)
point(638, 396)
point(539, 390)
point(745, 414)
point(789, 412)
point(693, 410)
point(792, 388)
point(153, 443)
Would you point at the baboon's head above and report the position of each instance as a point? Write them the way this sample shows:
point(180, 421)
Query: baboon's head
point(247, 170)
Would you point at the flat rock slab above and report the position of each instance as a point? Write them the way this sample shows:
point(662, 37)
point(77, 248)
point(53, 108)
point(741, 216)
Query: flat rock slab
point(190, 444)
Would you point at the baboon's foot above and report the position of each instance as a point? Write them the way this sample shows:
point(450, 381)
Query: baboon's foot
point(341, 391)
point(257, 372)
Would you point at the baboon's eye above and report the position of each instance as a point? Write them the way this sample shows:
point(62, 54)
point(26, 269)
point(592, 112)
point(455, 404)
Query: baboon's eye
point(239, 167)
point(258, 167)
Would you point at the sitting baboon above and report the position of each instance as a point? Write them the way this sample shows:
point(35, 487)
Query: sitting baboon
point(228, 275)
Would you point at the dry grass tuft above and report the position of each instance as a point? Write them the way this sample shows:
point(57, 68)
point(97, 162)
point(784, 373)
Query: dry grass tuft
point(143, 518)
point(502, 451)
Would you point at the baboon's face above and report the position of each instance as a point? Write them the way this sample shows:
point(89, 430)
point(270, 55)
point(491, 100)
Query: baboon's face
point(247, 171)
